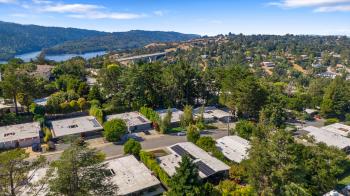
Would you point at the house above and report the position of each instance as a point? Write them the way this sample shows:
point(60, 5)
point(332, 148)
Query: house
point(338, 128)
point(311, 112)
point(43, 71)
point(208, 166)
point(134, 120)
point(175, 116)
point(91, 81)
point(233, 147)
point(329, 138)
point(20, 135)
point(74, 126)
point(327, 74)
point(268, 64)
point(212, 113)
point(42, 101)
point(317, 65)
point(8, 106)
point(133, 177)
point(333, 193)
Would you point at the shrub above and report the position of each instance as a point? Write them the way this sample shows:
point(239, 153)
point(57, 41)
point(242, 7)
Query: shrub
point(331, 121)
point(187, 117)
point(150, 114)
point(114, 130)
point(208, 144)
point(132, 147)
point(192, 134)
point(152, 164)
point(245, 129)
point(48, 134)
point(97, 113)
point(82, 103)
point(165, 122)
point(37, 109)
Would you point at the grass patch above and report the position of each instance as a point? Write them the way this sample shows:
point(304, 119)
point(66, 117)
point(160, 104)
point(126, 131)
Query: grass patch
point(176, 130)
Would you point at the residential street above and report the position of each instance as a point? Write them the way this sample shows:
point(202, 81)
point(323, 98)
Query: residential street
point(112, 150)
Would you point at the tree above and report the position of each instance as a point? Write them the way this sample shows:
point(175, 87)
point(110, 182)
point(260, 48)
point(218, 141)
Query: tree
point(242, 92)
point(336, 99)
point(165, 122)
point(81, 171)
point(193, 134)
point(114, 129)
point(94, 93)
point(278, 165)
point(12, 84)
point(132, 147)
point(245, 129)
point(186, 179)
point(273, 114)
point(14, 170)
point(228, 188)
point(187, 117)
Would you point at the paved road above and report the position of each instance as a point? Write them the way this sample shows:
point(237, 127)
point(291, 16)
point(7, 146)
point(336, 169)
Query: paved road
point(113, 150)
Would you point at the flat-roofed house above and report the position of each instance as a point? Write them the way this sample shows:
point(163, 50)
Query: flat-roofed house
point(338, 128)
point(20, 135)
point(329, 138)
point(134, 120)
point(212, 113)
point(74, 126)
point(233, 147)
point(268, 64)
point(133, 177)
point(208, 166)
point(175, 117)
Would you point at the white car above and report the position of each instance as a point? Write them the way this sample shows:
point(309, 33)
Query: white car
point(181, 133)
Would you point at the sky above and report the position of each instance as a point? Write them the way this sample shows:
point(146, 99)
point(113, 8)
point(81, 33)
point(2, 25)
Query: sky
point(204, 17)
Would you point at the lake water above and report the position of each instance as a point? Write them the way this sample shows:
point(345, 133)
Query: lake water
point(61, 57)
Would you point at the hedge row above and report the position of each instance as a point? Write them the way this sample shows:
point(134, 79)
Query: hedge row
point(150, 162)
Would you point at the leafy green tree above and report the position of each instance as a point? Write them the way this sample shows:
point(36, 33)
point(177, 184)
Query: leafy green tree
point(186, 179)
point(186, 118)
point(165, 122)
point(80, 171)
point(94, 93)
point(132, 147)
point(193, 134)
point(336, 100)
point(245, 129)
point(230, 188)
point(114, 130)
point(242, 92)
point(273, 114)
point(14, 170)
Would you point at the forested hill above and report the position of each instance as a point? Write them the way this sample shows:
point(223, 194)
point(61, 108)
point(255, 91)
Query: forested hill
point(17, 39)
point(117, 41)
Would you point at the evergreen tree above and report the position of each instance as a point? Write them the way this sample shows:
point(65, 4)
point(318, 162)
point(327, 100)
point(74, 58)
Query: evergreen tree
point(186, 180)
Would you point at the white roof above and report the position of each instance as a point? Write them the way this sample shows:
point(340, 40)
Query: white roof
point(131, 175)
point(333, 193)
point(34, 177)
point(176, 114)
point(130, 118)
point(170, 162)
point(42, 101)
point(327, 137)
point(211, 112)
point(233, 147)
point(19, 131)
point(76, 125)
point(310, 111)
point(338, 128)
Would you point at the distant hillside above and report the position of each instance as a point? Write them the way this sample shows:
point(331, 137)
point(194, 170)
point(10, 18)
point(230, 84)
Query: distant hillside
point(18, 39)
point(117, 41)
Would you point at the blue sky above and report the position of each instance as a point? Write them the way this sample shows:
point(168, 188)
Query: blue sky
point(205, 17)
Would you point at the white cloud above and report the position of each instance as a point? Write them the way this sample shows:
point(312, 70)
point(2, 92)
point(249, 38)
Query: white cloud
point(106, 15)
point(317, 5)
point(307, 3)
point(341, 8)
point(70, 8)
point(7, 1)
point(159, 13)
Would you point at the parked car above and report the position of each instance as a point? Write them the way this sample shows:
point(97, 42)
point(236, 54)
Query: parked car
point(181, 133)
